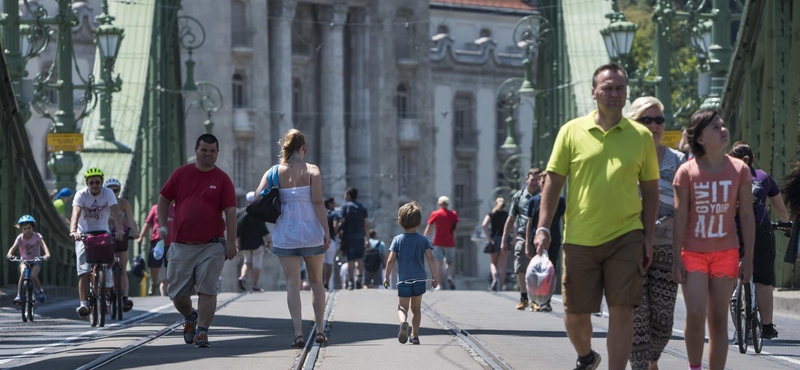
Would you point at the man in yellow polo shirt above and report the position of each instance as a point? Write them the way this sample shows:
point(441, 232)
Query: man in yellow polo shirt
point(608, 229)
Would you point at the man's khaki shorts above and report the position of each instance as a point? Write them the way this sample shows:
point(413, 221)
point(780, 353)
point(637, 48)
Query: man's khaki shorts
point(614, 267)
point(194, 264)
point(253, 257)
point(521, 259)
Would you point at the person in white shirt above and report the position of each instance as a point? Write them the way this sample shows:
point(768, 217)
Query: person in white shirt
point(91, 209)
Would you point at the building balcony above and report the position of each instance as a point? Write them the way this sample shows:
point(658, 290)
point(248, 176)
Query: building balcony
point(242, 43)
point(244, 123)
point(465, 142)
point(408, 132)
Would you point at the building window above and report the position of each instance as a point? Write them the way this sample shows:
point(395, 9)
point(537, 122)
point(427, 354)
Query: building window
point(240, 169)
point(485, 32)
point(297, 97)
point(406, 170)
point(442, 29)
point(463, 121)
point(239, 34)
point(302, 30)
point(402, 101)
point(463, 190)
point(403, 35)
point(239, 91)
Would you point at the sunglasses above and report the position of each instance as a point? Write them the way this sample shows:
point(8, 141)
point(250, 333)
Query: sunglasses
point(95, 183)
point(115, 190)
point(646, 120)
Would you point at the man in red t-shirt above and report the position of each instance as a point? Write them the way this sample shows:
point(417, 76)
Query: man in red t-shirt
point(198, 250)
point(446, 223)
point(151, 223)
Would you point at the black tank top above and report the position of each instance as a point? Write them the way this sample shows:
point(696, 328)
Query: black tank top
point(498, 222)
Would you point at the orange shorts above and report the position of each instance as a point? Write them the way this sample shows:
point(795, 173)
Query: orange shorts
point(714, 264)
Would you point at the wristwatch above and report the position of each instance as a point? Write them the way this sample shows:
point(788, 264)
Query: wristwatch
point(164, 230)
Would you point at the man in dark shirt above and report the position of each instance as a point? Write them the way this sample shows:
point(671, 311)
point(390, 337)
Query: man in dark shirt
point(330, 254)
point(252, 236)
point(354, 234)
point(555, 230)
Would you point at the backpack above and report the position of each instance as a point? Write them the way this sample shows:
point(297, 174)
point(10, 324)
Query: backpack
point(372, 260)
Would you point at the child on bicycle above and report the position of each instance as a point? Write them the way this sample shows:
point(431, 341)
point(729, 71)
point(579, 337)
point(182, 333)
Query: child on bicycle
point(30, 244)
point(707, 191)
point(409, 250)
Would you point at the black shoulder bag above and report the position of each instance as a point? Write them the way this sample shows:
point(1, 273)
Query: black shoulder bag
point(268, 207)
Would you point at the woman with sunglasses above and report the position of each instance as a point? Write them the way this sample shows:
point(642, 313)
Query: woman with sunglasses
point(653, 318)
point(129, 226)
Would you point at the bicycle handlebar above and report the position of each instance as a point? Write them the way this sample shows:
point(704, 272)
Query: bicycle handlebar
point(17, 259)
point(786, 227)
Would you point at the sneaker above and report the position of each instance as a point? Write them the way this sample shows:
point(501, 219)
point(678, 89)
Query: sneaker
point(42, 297)
point(349, 285)
point(534, 307)
point(190, 329)
point(127, 305)
point(242, 284)
point(17, 300)
point(493, 287)
point(592, 366)
point(201, 340)
point(402, 334)
point(522, 304)
point(545, 307)
point(259, 290)
point(451, 283)
point(359, 284)
point(82, 311)
point(769, 332)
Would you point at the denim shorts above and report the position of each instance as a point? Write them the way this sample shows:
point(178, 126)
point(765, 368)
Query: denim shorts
point(411, 290)
point(297, 252)
point(444, 253)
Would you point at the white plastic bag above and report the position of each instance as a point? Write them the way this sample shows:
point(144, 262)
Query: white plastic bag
point(541, 279)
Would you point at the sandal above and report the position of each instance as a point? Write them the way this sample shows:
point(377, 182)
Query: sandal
point(321, 338)
point(415, 340)
point(299, 342)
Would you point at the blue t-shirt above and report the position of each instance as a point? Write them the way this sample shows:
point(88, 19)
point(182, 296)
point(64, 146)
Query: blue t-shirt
point(555, 227)
point(353, 214)
point(410, 249)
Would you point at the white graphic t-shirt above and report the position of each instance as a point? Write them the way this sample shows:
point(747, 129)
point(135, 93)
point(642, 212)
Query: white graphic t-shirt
point(95, 209)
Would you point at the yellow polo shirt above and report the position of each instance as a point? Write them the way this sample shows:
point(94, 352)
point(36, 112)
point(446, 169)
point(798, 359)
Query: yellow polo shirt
point(603, 171)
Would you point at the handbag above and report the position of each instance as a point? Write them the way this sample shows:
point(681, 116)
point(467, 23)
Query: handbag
point(268, 207)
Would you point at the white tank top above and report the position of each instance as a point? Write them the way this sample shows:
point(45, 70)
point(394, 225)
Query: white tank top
point(298, 225)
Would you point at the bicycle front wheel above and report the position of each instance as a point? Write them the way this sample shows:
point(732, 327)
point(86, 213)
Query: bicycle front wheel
point(102, 299)
point(30, 301)
point(23, 301)
point(94, 301)
point(740, 322)
point(756, 328)
point(118, 291)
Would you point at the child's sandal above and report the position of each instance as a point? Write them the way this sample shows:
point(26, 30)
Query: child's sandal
point(415, 340)
point(299, 342)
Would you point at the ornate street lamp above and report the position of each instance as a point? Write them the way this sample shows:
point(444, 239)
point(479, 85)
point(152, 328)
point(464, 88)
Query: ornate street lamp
point(618, 36)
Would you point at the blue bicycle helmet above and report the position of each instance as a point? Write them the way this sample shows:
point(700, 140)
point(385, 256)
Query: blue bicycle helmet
point(26, 219)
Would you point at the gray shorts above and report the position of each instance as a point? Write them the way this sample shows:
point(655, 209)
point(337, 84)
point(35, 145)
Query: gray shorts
point(194, 264)
point(444, 253)
point(80, 259)
point(520, 259)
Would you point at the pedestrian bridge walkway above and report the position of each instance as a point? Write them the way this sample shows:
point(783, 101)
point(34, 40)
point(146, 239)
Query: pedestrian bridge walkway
point(460, 330)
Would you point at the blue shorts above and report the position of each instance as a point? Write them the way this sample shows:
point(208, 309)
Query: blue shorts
point(411, 290)
point(297, 252)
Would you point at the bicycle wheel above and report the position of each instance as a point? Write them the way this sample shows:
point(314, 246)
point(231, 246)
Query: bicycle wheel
point(101, 297)
point(756, 328)
point(93, 298)
point(30, 301)
point(118, 291)
point(23, 301)
point(740, 322)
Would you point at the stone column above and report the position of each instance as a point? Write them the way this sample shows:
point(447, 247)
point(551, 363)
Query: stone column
point(333, 136)
point(281, 15)
point(358, 134)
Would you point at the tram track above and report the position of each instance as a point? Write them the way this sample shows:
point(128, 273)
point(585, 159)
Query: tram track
point(310, 354)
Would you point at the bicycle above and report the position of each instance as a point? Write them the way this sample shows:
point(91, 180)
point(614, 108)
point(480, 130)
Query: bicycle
point(744, 308)
point(26, 293)
point(116, 294)
point(98, 305)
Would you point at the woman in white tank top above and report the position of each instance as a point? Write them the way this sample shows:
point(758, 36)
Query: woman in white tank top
point(301, 232)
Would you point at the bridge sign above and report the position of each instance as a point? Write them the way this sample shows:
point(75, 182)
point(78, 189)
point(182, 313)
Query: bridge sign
point(64, 143)
point(671, 139)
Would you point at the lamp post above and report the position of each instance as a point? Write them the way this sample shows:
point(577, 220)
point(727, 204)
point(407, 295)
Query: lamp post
point(27, 38)
point(618, 37)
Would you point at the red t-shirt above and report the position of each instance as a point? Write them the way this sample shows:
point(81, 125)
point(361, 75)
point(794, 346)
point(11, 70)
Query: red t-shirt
point(444, 220)
point(152, 220)
point(200, 197)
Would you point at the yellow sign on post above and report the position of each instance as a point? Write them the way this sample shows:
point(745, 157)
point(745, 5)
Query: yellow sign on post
point(64, 143)
point(671, 139)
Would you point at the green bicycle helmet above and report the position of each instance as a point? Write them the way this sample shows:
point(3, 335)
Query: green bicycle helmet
point(91, 172)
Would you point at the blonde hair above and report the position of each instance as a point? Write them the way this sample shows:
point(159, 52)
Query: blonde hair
point(409, 215)
point(640, 105)
point(499, 205)
point(292, 141)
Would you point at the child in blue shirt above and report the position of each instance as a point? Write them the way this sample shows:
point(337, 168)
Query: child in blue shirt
point(409, 250)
